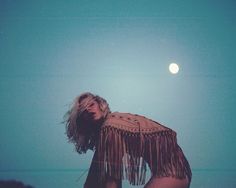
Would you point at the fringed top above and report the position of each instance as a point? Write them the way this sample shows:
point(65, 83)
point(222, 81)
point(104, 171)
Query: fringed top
point(128, 142)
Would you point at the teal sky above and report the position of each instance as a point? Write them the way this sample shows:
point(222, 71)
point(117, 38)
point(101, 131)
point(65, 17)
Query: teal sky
point(50, 52)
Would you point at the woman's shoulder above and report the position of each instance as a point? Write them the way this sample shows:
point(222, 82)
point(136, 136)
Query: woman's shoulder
point(121, 121)
point(133, 123)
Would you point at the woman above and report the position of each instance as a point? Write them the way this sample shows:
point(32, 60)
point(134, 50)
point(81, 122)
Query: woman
point(124, 143)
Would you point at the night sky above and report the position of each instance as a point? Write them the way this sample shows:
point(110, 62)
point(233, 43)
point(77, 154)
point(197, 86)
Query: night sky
point(52, 51)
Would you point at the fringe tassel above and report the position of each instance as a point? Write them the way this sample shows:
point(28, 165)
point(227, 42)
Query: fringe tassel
point(124, 155)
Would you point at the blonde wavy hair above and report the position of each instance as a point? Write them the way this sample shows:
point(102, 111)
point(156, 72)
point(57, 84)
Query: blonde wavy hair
point(78, 130)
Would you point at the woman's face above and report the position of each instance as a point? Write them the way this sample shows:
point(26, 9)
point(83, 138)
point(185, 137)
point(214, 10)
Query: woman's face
point(94, 110)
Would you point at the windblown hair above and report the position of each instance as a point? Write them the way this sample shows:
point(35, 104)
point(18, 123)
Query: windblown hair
point(78, 127)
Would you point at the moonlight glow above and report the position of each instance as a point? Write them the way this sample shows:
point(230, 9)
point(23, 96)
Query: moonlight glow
point(174, 68)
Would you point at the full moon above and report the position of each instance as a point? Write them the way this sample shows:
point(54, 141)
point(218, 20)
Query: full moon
point(173, 68)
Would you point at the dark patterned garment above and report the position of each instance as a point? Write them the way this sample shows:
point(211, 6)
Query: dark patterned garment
point(127, 143)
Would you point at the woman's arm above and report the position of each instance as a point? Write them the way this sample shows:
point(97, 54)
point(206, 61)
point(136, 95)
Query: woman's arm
point(112, 183)
point(93, 179)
